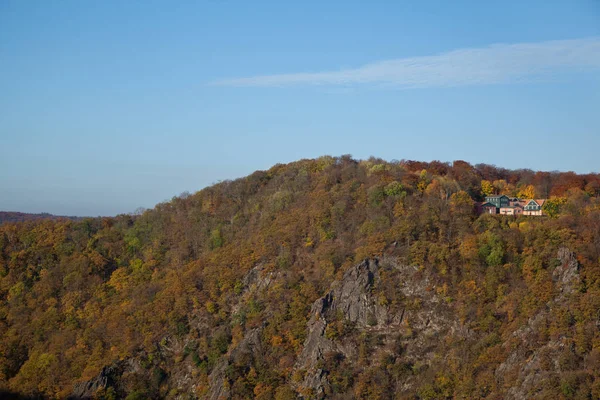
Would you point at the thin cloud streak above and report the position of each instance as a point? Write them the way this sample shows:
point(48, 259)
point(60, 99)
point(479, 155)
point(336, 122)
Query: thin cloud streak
point(499, 63)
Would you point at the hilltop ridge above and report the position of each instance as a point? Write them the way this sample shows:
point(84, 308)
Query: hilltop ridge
point(15, 216)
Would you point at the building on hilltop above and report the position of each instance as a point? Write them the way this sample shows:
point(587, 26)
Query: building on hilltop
point(500, 200)
point(515, 209)
point(488, 208)
point(504, 205)
point(533, 206)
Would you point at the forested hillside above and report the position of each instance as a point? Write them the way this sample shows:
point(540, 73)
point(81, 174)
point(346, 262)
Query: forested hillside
point(327, 278)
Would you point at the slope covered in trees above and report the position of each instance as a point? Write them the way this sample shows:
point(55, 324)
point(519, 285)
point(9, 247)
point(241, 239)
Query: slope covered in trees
point(247, 289)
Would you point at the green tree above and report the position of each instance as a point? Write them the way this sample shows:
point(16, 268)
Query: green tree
point(552, 207)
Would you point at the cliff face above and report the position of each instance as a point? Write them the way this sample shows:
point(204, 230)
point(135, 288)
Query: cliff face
point(356, 302)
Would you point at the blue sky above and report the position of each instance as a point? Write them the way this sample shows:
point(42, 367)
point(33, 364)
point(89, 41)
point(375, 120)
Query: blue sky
point(109, 106)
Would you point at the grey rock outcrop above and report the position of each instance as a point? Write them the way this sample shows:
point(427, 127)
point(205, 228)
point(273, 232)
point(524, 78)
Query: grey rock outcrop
point(353, 299)
point(249, 345)
point(256, 280)
point(107, 377)
point(566, 275)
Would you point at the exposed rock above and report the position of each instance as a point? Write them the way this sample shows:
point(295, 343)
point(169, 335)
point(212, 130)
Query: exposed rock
point(353, 299)
point(107, 377)
point(566, 275)
point(219, 385)
point(257, 279)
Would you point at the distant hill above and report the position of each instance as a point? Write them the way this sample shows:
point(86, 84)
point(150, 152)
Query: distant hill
point(12, 216)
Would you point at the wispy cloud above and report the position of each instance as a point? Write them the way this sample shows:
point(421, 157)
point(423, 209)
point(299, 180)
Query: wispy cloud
point(499, 63)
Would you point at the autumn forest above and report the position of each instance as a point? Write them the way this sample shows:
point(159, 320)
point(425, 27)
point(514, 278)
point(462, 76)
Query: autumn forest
point(325, 278)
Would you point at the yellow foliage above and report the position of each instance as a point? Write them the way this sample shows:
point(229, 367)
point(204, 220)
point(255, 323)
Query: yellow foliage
point(524, 226)
point(527, 192)
point(119, 279)
point(487, 188)
point(211, 307)
point(276, 340)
